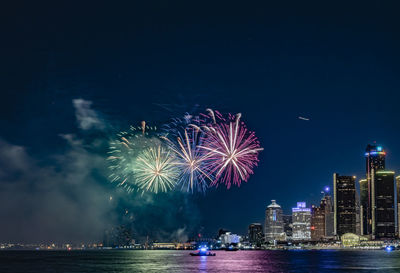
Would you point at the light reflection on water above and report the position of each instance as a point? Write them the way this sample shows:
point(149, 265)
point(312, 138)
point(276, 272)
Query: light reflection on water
point(203, 263)
point(124, 261)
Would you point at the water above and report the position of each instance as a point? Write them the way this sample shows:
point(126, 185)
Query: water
point(179, 261)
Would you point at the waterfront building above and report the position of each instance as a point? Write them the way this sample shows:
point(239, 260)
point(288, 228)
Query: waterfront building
point(383, 204)
point(398, 204)
point(228, 239)
point(364, 200)
point(344, 195)
point(164, 246)
point(287, 225)
point(301, 217)
point(351, 240)
point(356, 241)
point(317, 223)
point(327, 205)
point(274, 223)
point(375, 160)
point(322, 218)
point(256, 236)
point(358, 215)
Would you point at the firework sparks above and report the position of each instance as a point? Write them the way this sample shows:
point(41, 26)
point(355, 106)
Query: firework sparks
point(155, 170)
point(232, 150)
point(124, 150)
point(143, 127)
point(191, 160)
point(201, 151)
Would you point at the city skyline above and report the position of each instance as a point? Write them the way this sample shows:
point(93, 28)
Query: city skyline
point(194, 136)
point(367, 211)
point(315, 84)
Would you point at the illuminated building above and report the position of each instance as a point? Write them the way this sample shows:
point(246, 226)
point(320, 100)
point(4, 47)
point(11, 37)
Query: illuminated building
point(287, 225)
point(326, 203)
point(229, 239)
point(398, 204)
point(273, 223)
point(317, 223)
point(358, 219)
point(364, 206)
point(322, 218)
point(301, 217)
point(383, 204)
point(352, 240)
point(344, 199)
point(164, 246)
point(374, 161)
point(375, 158)
point(256, 236)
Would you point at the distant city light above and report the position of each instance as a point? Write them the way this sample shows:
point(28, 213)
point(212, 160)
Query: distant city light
point(327, 189)
point(379, 148)
point(301, 204)
point(375, 153)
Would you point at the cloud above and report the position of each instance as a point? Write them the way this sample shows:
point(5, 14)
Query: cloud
point(87, 118)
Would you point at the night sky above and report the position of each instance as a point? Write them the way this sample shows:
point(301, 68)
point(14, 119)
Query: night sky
point(74, 74)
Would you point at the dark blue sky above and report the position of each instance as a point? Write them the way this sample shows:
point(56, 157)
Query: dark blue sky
point(336, 63)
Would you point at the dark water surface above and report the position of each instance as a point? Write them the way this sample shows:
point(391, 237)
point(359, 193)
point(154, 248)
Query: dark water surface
point(180, 261)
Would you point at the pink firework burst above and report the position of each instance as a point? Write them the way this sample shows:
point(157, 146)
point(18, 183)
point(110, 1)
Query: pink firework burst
point(231, 149)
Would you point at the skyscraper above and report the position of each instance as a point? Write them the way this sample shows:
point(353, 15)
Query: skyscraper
point(326, 203)
point(301, 217)
point(383, 204)
point(322, 218)
point(256, 236)
point(398, 204)
point(374, 161)
point(364, 205)
point(374, 158)
point(287, 225)
point(358, 215)
point(344, 195)
point(317, 223)
point(273, 223)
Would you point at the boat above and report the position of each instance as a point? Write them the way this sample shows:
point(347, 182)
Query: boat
point(203, 251)
point(390, 248)
point(202, 254)
point(231, 248)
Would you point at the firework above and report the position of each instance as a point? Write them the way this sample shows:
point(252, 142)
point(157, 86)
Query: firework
point(155, 170)
point(191, 160)
point(231, 149)
point(124, 150)
point(201, 151)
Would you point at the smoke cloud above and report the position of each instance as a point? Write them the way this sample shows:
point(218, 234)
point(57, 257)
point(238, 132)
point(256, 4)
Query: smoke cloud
point(65, 197)
point(59, 202)
point(87, 118)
